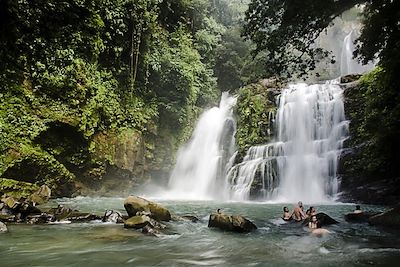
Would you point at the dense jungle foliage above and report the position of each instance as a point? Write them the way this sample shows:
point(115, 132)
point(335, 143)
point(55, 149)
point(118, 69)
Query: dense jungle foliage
point(79, 77)
point(94, 89)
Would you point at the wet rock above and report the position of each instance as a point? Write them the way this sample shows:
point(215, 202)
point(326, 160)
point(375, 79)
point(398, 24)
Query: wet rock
point(21, 207)
point(134, 204)
point(148, 230)
point(350, 78)
point(137, 222)
point(323, 219)
point(41, 196)
point(7, 218)
point(4, 209)
point(3, 228)
point(190, 218)
point(61, 212)
point(112, 216)
point(358, 217)
point(185, 218)
point(41, 218)
point(10, 202)
point(390, 218)
point(234, 223)
point(82, 217)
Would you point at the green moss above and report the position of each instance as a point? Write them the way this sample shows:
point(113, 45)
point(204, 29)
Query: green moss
point(36, 166)
point(374, 111)
point(16, 189)
point(254, 115)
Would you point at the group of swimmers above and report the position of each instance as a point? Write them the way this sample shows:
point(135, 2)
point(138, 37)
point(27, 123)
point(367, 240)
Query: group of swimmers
point(299, 215)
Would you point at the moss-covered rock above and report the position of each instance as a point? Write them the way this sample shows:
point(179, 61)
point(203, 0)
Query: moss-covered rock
point(368, 167)
point(137, 222)
point(255, 110)
point(36, 166)
point(16, 189)
point(234, 223)
point(390, 218)
point(135, 204)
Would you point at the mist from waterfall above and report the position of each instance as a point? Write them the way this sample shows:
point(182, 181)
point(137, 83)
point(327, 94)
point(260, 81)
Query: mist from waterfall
point(302, 161)
point(201, 164)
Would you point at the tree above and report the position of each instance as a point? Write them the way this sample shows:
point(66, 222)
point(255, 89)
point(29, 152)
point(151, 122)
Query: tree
point(287, 29)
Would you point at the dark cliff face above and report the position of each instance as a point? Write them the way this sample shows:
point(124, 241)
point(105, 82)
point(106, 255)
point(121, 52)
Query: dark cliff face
point(365, 174)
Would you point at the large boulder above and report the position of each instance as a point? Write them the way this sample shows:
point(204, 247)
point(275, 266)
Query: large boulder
point(323, 219)
point(234, 223)
point(137, 222)
point(134, 204)
point(361, 217)
point(390, 218)
point(3, 228)
point(41, 196)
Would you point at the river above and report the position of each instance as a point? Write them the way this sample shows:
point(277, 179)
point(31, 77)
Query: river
point(194, 244)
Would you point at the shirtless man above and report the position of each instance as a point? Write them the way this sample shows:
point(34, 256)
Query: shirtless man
point(287, 216)
point(298, 213)
point(358, 210)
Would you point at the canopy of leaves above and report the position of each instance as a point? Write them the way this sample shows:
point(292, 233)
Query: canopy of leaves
point(286, 30)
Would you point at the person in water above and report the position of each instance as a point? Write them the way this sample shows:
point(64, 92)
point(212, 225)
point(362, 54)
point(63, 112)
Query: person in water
point(311, 212)
point(315, 227)
point(358, 210)
point(286, 214)
point(298, 213)
point(313, 224)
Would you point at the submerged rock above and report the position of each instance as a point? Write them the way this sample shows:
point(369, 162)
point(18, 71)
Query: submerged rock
point(3, 228)
point(358, 217)
point(390, 218)
point(134, 204)
point(234, 223)
point(185, 218)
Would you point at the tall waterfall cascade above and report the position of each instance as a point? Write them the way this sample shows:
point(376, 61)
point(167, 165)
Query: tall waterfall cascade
point(201, 164)
point(301, 163)
point(349, 65)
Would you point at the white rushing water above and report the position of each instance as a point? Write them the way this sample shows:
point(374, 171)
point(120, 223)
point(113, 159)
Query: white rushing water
point(301, 163)
point(200, 169)
point(349, 65)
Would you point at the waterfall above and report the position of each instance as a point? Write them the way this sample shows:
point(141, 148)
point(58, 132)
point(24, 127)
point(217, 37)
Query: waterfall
point(302, 161)
point(201, 164)
point(349, 65)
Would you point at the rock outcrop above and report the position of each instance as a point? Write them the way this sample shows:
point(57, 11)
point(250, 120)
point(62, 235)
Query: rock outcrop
point(234, 223)
point(390, 218)
point(3, 228)
point(137, 222)
point(134, 204)
point(358, 217)
point(323, 219)
point(41, 196)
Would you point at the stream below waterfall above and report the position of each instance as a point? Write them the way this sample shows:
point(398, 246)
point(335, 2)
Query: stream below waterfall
point(194, 244)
